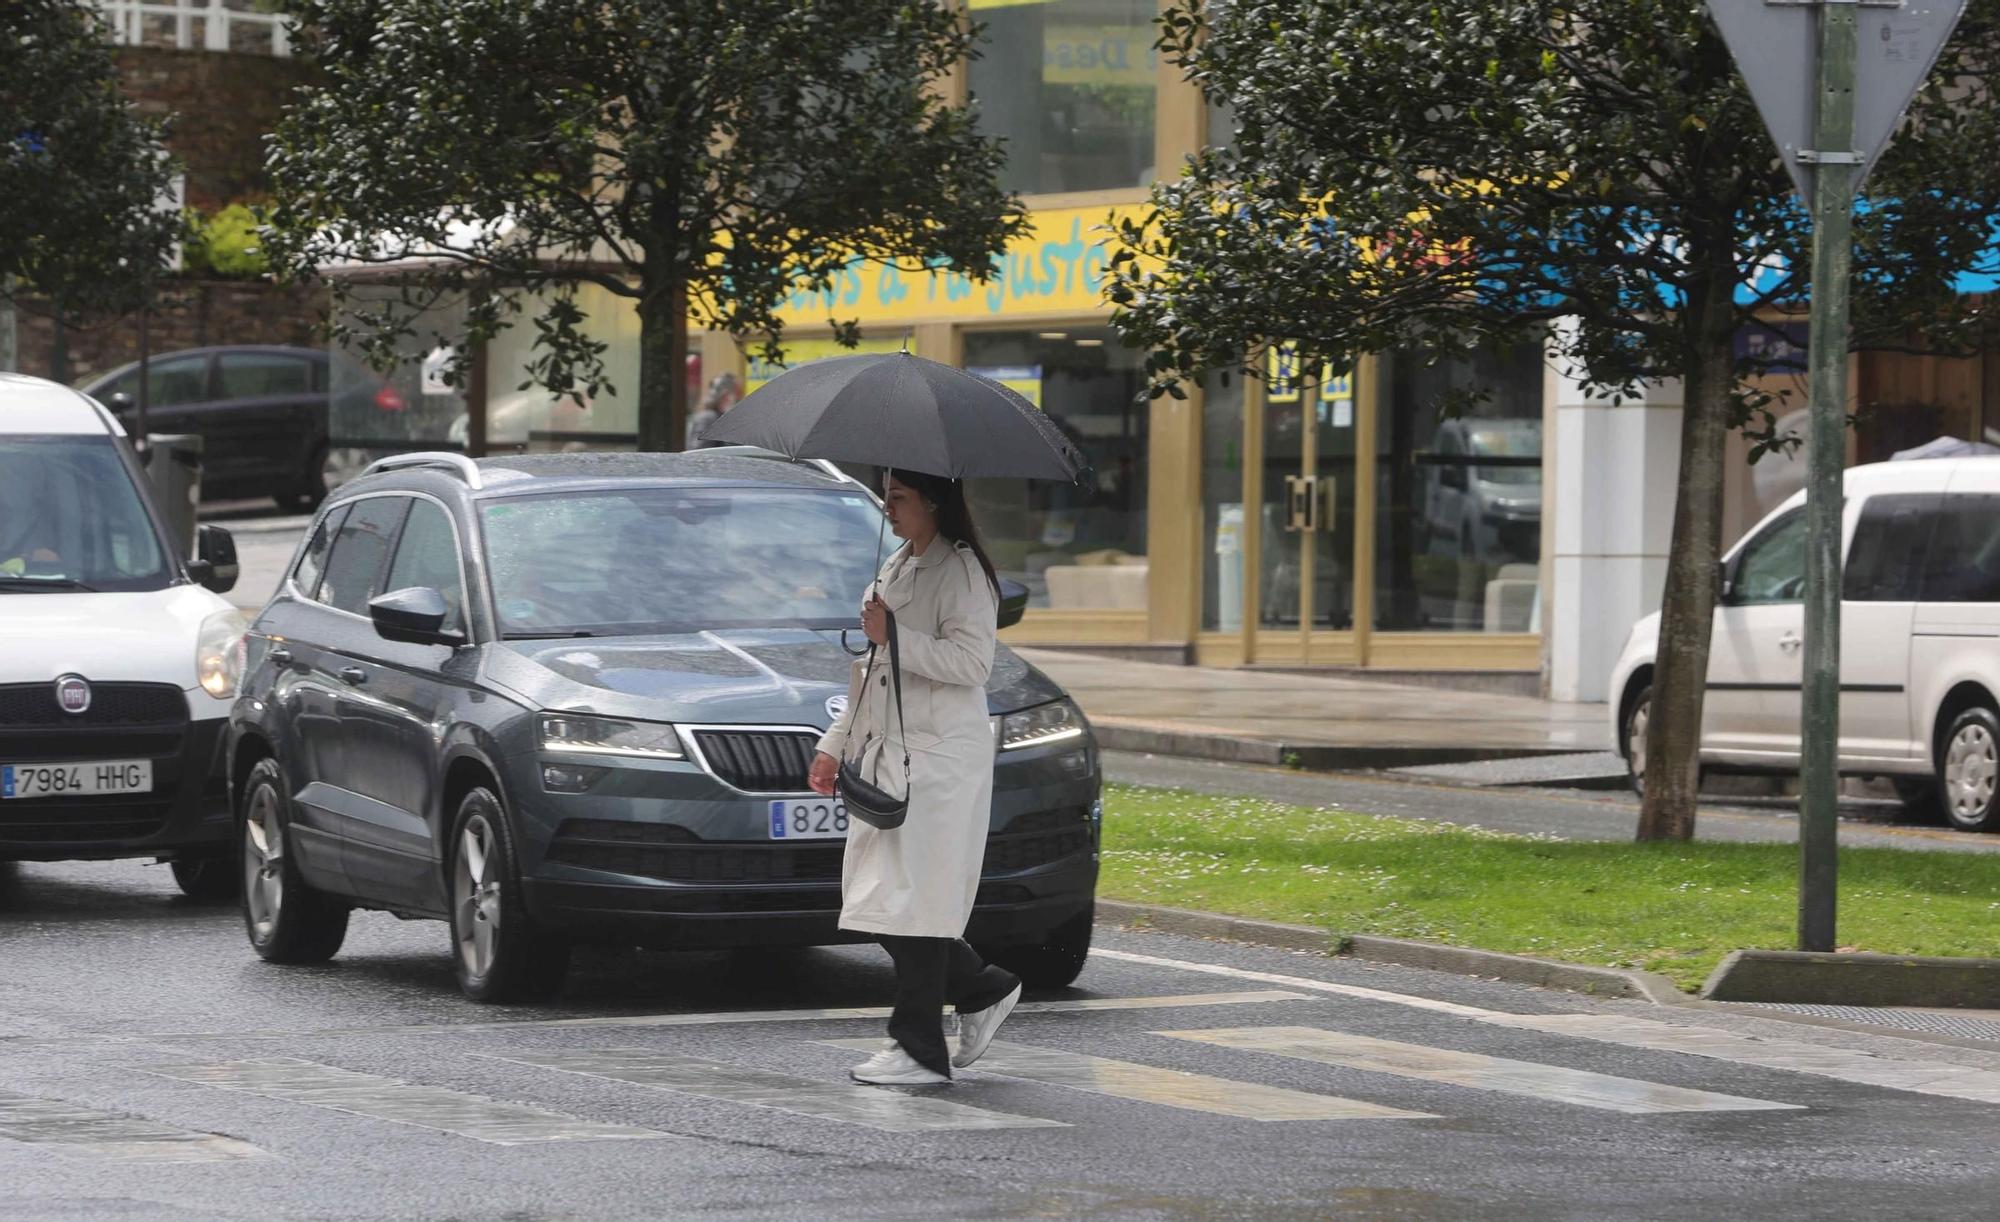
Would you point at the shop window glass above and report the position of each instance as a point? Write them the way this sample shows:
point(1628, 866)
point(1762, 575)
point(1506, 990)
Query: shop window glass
point(1072, 86)
point(1459, 492)
point(1223, 528)
point(1080, 546)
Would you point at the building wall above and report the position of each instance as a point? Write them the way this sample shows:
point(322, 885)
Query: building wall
point(192, 314)
point(220, 106)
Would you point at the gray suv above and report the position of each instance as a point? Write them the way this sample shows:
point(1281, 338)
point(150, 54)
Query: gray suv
point(574, 697)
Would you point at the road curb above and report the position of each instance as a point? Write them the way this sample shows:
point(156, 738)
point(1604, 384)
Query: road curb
point(1117, 734)
point(1404, 952)
point(1809, 977)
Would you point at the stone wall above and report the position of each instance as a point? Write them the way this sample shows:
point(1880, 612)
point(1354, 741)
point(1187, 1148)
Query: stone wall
point(221, 105)
point(192, 314)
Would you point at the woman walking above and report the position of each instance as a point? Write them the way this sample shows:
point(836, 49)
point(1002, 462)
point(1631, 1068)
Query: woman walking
point(913, 886)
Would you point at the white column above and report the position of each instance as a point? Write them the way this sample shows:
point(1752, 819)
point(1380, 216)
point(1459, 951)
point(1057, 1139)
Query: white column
point(1613, 505)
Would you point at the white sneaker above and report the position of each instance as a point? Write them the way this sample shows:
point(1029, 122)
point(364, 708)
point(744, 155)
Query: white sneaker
point(894, 1067)
point(976, 1030)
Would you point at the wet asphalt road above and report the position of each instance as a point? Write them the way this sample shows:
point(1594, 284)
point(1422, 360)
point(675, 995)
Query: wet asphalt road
point(127, 1015)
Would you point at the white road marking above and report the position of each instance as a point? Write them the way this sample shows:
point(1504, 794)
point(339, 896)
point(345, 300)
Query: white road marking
point(1843, 1064)
point(83, 1130)
point(850, 1103)
point(699, 1019)
point(1302, 982)
point(430, 1107)
point(1168, 1087)
point(1480, 1072)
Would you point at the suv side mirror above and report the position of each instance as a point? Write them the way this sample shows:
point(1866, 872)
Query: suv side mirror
point(414, 616)
point(1725, 585)
point(214, 565)
point(1013, 602)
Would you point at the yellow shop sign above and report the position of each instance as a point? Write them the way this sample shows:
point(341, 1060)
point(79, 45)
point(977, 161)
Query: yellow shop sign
point(1058, 267)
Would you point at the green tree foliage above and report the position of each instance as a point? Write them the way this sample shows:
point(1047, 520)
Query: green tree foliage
point(1411, 174)
point(691, 157)
point(80, 172)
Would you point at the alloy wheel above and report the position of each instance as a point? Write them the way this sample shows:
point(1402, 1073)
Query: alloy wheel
point(476, 895)
point(263, 862)
point(1635, 738)
point(1971, 769)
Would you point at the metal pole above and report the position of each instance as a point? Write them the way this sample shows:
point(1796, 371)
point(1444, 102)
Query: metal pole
point(10, 355)
point(1826, 447)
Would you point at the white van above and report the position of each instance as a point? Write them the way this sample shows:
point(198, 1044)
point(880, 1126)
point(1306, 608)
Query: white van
point(1920, 641)
point(117, 666)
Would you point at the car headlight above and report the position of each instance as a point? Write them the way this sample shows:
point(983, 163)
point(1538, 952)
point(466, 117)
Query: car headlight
point(1040, 726)
point(608, 736)
point(219, 653)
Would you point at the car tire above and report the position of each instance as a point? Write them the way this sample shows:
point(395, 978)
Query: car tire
point(1919, 796)
point(1968, 771)
point(208, 880)
point(500, 952)
point(1056, 960)
point(1632, 737)
point(287, 919)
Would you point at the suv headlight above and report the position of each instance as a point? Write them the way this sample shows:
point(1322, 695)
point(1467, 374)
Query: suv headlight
point(607, 736)
point(1040, 726)
point(219, 653)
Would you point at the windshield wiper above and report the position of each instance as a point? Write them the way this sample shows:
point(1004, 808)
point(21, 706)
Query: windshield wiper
point(12, 581)
point(546, 636)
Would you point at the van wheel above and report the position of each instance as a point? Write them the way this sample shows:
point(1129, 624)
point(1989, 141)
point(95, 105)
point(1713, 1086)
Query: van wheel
point(207, 880)
point(502, 953)
point(288, 920)
point(1054, 962)
point(1969, 770)
point(1919, 796)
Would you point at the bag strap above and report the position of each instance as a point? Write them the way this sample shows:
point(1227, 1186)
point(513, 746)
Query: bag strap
point(896, 678)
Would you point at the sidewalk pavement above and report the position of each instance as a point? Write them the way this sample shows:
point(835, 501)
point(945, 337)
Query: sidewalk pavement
point(1312, 721)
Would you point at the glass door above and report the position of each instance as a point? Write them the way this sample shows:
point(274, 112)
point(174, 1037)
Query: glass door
point(1306, 523)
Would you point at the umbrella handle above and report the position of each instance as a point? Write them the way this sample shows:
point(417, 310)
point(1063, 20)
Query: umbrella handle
point(849, 648)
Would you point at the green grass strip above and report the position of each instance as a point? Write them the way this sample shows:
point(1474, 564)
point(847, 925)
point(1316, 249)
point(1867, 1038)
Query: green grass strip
point(1670, 908)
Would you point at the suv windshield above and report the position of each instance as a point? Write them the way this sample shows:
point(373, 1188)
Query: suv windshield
point(659, 560)
point(71, 518)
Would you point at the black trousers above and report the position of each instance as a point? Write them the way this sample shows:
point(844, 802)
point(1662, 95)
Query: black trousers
point(929, 973)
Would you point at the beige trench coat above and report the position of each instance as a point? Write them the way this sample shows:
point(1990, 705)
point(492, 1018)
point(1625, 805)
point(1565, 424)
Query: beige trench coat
point(919, 879)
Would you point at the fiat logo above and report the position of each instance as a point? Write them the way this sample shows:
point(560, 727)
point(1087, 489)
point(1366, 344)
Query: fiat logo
point(835, 706)
point(73, 695)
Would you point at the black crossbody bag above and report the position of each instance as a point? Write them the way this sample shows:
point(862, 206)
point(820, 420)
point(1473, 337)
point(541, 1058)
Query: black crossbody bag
point(865, 800)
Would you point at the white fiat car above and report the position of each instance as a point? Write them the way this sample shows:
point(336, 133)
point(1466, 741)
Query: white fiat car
point(1920, 641)
point(118, 659)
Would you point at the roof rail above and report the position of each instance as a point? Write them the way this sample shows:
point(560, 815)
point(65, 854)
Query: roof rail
point(465, 468)
point(825, 465)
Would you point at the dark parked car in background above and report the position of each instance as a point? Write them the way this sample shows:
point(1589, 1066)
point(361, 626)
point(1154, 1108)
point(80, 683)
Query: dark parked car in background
point(575, 696)
point(260, 410)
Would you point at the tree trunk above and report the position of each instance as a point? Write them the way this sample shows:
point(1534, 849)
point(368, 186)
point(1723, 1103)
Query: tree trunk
point(663, 348)
point(1680, 671)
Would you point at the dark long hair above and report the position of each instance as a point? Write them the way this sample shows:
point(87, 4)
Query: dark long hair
point(954, 515)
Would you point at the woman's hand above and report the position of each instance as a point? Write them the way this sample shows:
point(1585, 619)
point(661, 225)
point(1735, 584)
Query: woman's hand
point(824, 768)
point(875, 621)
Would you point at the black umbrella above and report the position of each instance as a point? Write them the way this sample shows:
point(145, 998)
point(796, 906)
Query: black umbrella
point(901, 411)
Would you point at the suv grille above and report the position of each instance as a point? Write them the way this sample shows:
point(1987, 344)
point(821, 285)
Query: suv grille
point(124, 721)
point(759, 761)
point(671, 853)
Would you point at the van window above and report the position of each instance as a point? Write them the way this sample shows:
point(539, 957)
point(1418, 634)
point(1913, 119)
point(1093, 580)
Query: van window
point(1771, 568)
point(427, 555)
point(1963, 564)
point(360, 548)
point(312, 561)
point(1885, 561)
point(71, 515)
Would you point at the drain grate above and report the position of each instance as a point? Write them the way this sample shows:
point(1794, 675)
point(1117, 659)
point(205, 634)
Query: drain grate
point(1931, 1021)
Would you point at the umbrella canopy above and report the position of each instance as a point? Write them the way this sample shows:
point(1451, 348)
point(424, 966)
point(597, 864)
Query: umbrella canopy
point(901, 411)
point(1946, 447)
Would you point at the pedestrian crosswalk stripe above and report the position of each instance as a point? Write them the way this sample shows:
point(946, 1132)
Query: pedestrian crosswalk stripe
point(430, 1107)
point(843, 1101)
point(83, 1130)
point(1940, 1078)
point(1551, 1082)
point(1169, 1087)
point(1302, 982)
point(697, 1019)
